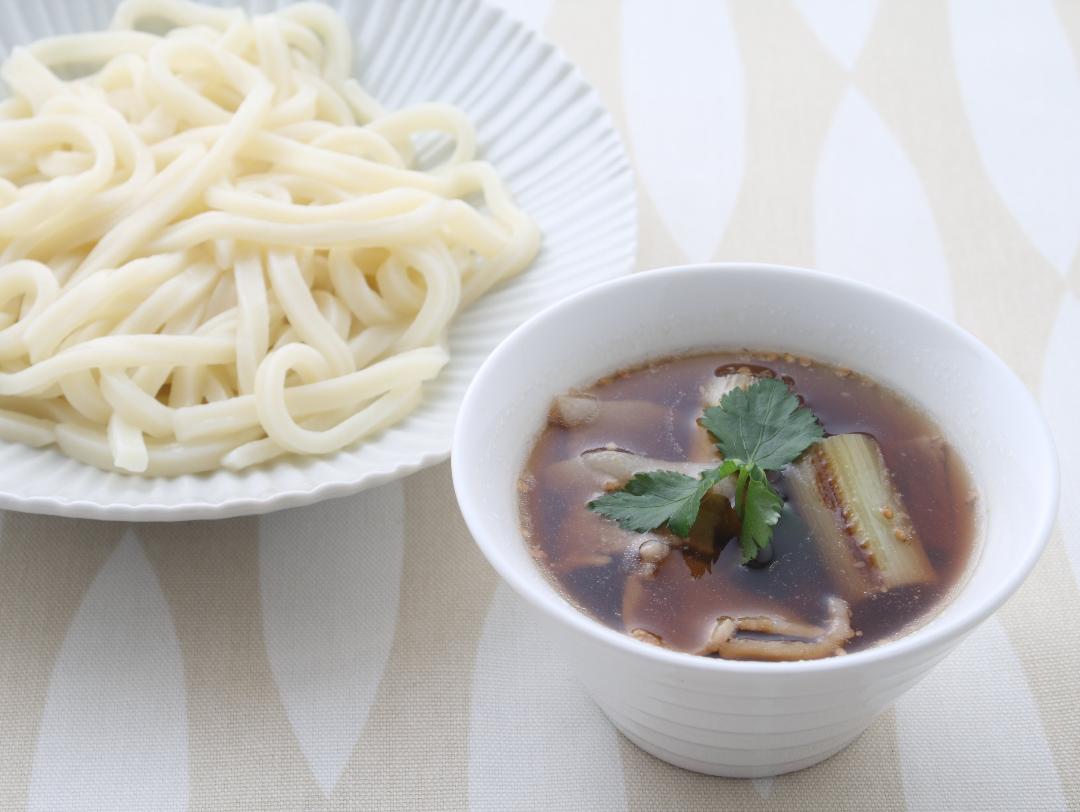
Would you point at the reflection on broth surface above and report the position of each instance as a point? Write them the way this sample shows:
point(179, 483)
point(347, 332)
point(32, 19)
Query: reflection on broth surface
point(696, 594)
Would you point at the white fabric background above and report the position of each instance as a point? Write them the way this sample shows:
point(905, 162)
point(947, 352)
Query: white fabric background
point(327, 657)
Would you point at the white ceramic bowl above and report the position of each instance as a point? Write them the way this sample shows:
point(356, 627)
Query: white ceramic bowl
point(748, 719)
point(537, 121)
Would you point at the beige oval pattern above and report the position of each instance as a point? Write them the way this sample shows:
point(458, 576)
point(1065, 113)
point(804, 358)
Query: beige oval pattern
point(842, 26)
point(329, 578)
point(113, 734)
point(685, 110)
point(1021, 90)
point(970, 735)
point(872, 218)
point(1060, 397)
point(536, 740)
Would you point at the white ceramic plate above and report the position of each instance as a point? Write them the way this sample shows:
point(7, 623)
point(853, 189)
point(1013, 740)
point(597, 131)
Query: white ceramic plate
point(539, 123)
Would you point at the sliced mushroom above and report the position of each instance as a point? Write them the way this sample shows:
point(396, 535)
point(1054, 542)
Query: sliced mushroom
point(587, 539)
point(716, 523)
point(779, 626)
point(715, 389)
point(579, 559)
point(653, 551)
point(574, 410)
point(814, 643)
point(702, 446)
point(593, 536)
point(934, 473)
point(647, 637)
point(635, 600)
point(620, 466)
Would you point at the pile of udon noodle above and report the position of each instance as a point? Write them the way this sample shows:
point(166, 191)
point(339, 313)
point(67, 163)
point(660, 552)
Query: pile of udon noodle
point(217, 248)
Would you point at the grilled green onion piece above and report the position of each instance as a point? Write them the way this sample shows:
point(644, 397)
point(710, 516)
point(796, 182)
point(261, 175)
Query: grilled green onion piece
point(857, 517)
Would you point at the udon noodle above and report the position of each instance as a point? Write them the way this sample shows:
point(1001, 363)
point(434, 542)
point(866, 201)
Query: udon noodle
point(217, 248)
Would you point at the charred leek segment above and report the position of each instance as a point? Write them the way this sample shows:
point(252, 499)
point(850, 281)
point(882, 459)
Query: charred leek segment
point(857, 517)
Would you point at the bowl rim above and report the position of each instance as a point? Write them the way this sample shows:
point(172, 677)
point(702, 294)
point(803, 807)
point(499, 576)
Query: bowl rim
point(923, 639)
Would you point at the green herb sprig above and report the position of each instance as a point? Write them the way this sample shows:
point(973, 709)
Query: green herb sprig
point(758, 429)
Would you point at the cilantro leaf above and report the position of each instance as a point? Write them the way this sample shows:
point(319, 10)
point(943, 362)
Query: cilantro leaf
point(650, 500)
point(758, 429)
point(760, 512)
point(655, 498)
point(762, 425)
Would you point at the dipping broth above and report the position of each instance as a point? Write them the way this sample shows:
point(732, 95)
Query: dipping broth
point(696, 594)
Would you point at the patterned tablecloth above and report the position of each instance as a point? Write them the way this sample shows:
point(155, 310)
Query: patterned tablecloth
point(361, 654)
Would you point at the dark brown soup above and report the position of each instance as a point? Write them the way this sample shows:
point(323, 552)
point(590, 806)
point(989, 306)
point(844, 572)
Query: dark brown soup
point(676, 592)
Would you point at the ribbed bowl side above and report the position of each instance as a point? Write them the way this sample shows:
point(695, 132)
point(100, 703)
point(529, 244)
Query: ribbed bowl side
point(541, 125)
point(735, 723)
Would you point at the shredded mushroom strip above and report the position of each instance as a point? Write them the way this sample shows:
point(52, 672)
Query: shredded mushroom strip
point(217, 248)
point(815, 642)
